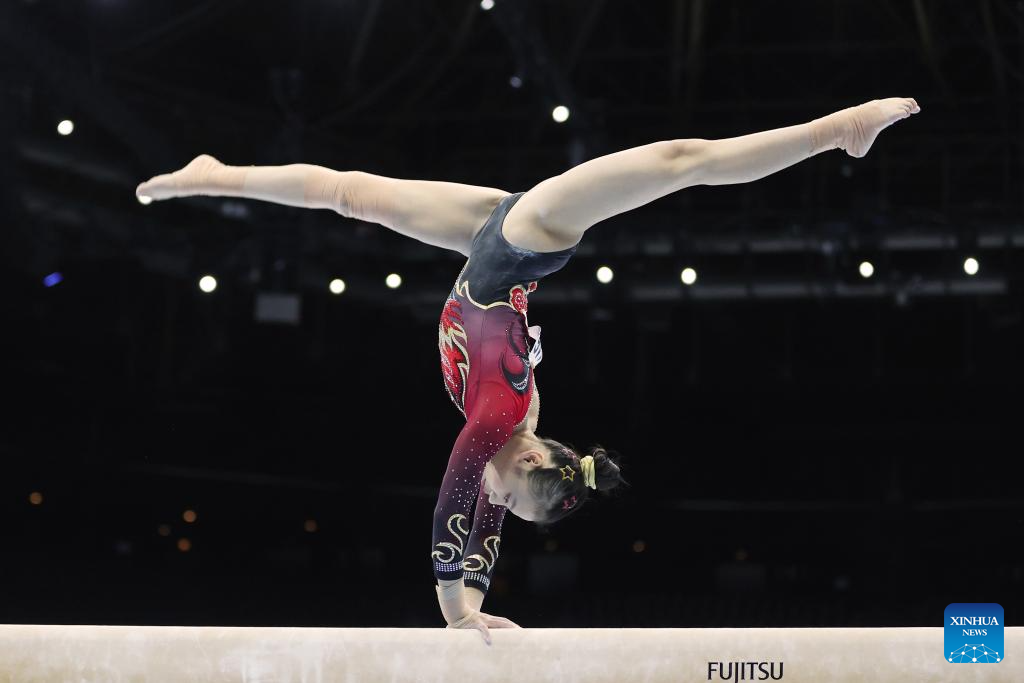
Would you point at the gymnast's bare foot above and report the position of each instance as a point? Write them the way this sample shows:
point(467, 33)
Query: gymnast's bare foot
point(855, 129)
point(203, 175)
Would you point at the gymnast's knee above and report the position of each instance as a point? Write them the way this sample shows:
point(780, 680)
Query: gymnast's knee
point(344, 193)
point(361, 195)
point(689, 156)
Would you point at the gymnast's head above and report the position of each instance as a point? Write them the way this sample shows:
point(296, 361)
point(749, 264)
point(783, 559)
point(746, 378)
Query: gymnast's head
point(542, 481)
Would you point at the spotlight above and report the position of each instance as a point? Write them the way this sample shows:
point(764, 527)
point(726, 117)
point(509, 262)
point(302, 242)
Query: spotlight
point(515, 82)
point(604, 275)
point(144, 200)
point(207, 283)
point(688, 276)
point(393, 280)
point(560, 114)
point(971, 265)
point(866, 269)
point(337, 286)
point(486, 4)
point(65, 127)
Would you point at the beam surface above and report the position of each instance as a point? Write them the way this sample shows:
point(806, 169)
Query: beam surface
point(36, 654)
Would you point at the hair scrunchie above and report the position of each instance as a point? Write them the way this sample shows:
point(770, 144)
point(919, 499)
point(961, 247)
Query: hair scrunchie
point(587, 465)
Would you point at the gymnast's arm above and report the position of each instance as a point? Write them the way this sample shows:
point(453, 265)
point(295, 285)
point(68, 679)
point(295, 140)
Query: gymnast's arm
point(480, 559)
point(457, 556)
point(482, 550)
point(474, 597)
point(485, 537)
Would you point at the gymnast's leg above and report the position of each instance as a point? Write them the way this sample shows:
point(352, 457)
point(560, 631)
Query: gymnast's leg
point(442, 214)
point(555, 213)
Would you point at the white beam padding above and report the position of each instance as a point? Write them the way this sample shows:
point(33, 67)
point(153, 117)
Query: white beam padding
point(83, 654)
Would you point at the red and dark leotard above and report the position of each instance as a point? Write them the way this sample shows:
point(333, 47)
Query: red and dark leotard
point(483, 339)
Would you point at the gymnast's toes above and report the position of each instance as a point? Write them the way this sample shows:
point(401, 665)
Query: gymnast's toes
point(157, 187)
point(197, 177)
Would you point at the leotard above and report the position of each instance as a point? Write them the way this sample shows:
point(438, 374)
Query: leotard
point(487, 362)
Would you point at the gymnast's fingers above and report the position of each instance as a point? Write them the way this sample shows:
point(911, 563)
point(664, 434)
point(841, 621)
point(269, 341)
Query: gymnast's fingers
point(498, 622)
point(484, 631)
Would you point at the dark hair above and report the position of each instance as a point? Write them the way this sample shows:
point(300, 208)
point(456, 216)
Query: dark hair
point(559, 495)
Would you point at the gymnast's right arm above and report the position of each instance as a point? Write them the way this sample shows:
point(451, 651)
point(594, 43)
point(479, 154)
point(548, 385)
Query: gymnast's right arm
point(451, 529)
point(483, 435)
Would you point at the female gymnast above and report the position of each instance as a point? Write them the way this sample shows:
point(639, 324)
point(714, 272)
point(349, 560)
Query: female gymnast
point(511, 241)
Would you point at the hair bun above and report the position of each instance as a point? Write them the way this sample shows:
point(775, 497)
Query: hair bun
point(607, 473)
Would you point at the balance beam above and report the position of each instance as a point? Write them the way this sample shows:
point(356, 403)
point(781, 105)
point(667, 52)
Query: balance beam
point(38, 654)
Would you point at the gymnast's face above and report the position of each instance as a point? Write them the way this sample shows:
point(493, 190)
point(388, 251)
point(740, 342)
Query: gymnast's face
point(506, 480)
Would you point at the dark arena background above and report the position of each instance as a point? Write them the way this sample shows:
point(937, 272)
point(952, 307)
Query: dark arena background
point(807, 446)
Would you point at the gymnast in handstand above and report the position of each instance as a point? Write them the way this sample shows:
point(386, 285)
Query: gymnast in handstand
point(488, 351)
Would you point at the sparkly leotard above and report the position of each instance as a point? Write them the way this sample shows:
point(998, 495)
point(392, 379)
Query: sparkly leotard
point(487, 363)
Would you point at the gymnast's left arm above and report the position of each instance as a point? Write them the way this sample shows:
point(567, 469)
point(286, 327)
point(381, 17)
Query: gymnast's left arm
point(482, 550)
point(474, 597)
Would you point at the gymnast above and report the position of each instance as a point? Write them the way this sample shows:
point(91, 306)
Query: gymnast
point(488, 351)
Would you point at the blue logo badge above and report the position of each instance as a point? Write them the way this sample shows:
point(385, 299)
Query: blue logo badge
point(974, 633)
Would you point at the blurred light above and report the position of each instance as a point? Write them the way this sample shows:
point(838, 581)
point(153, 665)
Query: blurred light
point(639, 546)
point(688, 276)
point(184, 545)
point(233, 209)
point(551, 545)
point(208, 283)
point(337, 286)
point(393, 280)
point(515, 82)
point(278, 307)
point(486, 4)
point(866, 269)
point(560, 114)
point(605, 274)
point(189, 516)
point(53, 279)
point(65, 127)
point(164, 530)
point(310, 525)
point(971, 265)
point(144, 200)
point(35, 498)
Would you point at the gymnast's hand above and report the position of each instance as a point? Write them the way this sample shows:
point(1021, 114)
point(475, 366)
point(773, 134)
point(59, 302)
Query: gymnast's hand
point(482, 622)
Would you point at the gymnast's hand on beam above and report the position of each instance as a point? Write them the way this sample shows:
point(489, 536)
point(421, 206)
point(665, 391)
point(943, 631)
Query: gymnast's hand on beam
point(482, 622)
